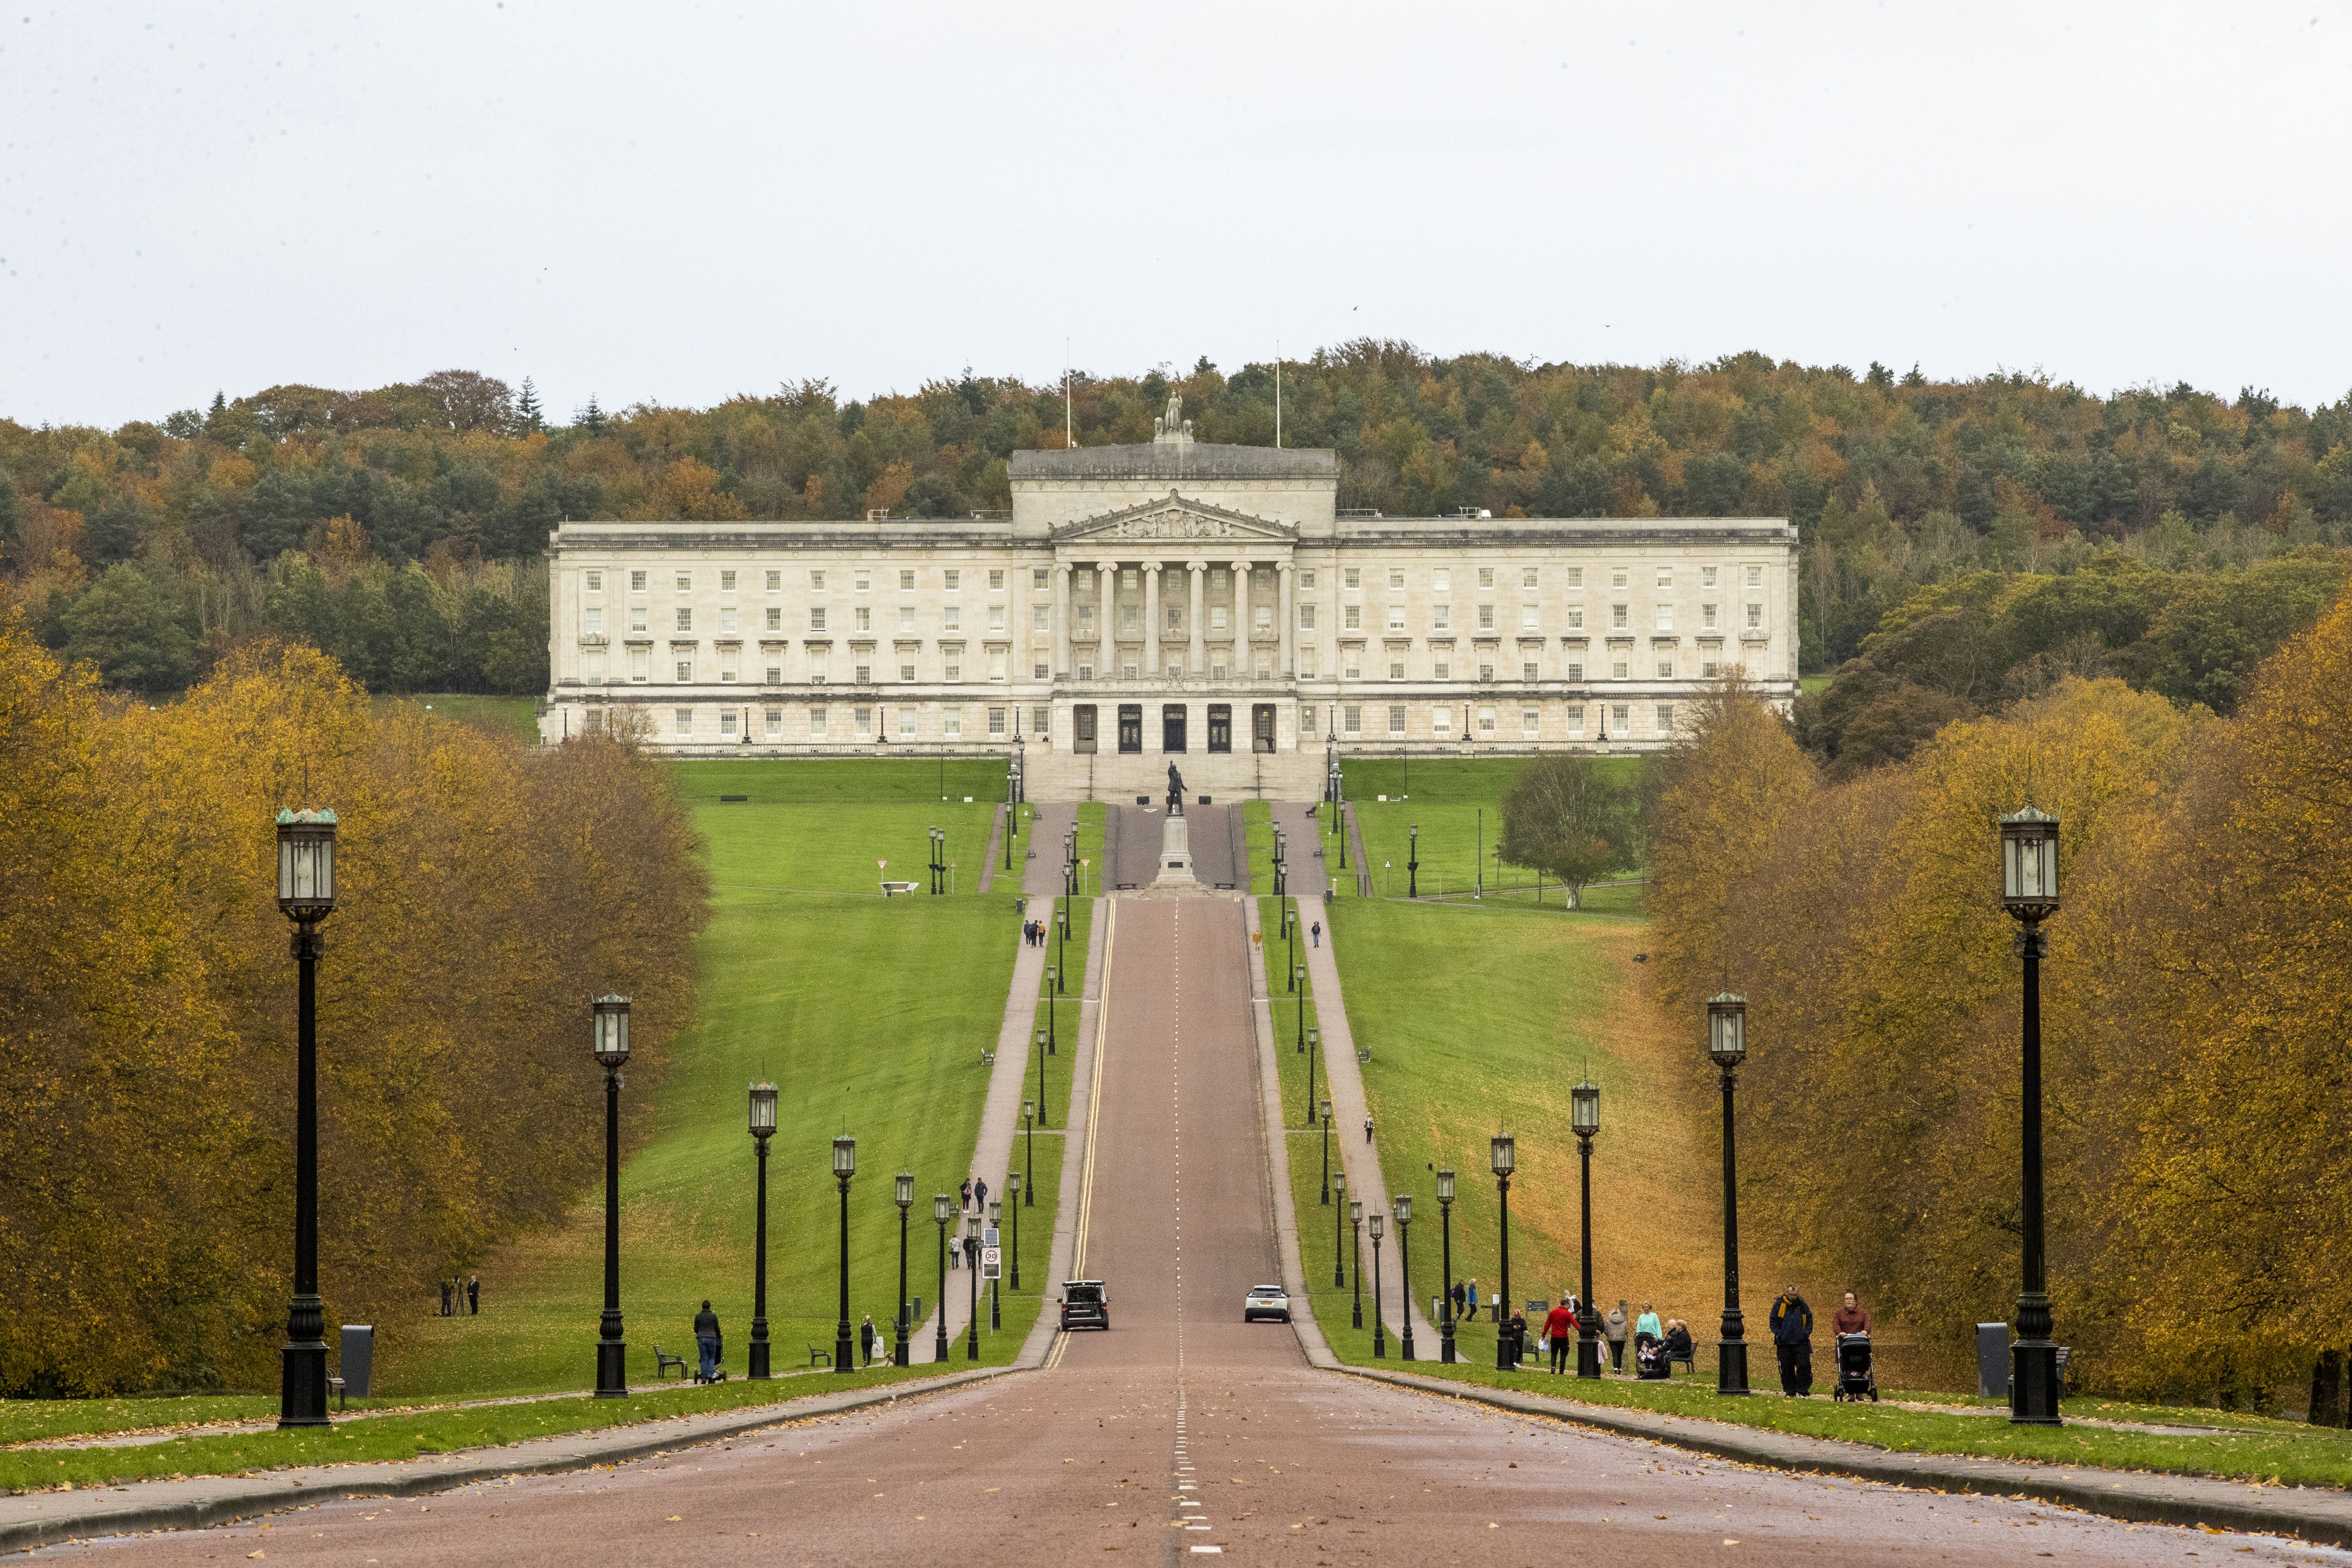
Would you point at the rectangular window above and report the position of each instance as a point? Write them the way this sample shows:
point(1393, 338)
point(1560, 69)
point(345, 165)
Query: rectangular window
point(865, 618)
point(1666, 669)
point(953, 671)
point(1441, 721)
point(1617, 614)
point(1709, 669)
point(775, 717)
point(1756, 576)
point(1307, 577)
point(816, 724)
point(727, 668)
point(594, 619)
point(1755, 617)
point(637, 581)
point(1086, 617)
point(1442, 580)
point(1707, 576)
point(640, 664)
point(1041, 618)
point(1038, 578)
point(907, 670)
point(1617, 576)
point(1396, 670)
point(1396, 617)
point(686, 620)
point(1575, 577)
point(1706, 618)
point(1306, 617)
point(1486, 672)
point(1396, 721)
point(727, 582)
point(862, 581)
point(1351, 577)
point(1665, 717)
point(1528, 670)
point(1130, 577)
point(1396, 579)
point(817, 582)
point(954, 581)
point(1353, 671)
point(863, 671)
point(1529, 720)
point(997, 656)
point(1485, 721)
point(775, 674)
point(1442, 669)
point(595, 582)
point(1352, 617)
point(1485, 576)
point(1621, 715)
point(1486, 618)
point(1527, 578)
point(1216, 617)
point(682, 719)
point(996, 579)
point(1040, 720)
point(727, 619)
point(776, 586)
point(817, 618)
point(727, 723)
point(996, 723)
point(1665, 576)
point(862, 721)
point(1576, 672)
point(954, 616)
point(951, 719)
point(685, 671)
point(1041, 671)
point(592, 670)
point(775, 621)
point(685, 581)
point(906, 581)
point(1665, 617)
point(1351, 720)
point(1617, 669)
point(1262, 619)
point(1576, 617)
point(1528, 617)
point(1575, 715)
point(1127, 617)
point(1441, 618)
point(906, 724)
point(906, 617)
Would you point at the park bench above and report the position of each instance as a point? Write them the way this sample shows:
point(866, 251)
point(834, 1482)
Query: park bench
point(1690, 1361)
point(987, 1058)
point(335, 1386)
point(662, 1362)
point(820, 1356)
point(1363, 1053)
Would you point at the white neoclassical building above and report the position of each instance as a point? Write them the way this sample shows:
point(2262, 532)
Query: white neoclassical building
point(1175, 598)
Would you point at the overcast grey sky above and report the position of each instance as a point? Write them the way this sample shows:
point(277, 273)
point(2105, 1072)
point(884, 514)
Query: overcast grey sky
point(677, 203)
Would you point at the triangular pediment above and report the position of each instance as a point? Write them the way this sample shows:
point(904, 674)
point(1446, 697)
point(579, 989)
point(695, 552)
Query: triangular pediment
point(1174, 517)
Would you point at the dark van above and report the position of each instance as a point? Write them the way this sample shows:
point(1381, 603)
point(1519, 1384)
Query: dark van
point(1084, 1305)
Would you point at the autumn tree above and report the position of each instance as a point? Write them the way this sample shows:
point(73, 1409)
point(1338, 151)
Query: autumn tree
point(1565, 815)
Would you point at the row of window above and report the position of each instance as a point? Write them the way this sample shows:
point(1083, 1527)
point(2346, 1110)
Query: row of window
point(1441, 578)
point(1441, 619)
point(823, 722)
point(860, 668)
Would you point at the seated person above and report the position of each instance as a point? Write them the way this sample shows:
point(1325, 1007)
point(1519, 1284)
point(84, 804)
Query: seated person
point(1650, 1356)
point(1678, 1341)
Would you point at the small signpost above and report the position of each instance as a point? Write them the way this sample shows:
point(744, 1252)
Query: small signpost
point(991, 1263)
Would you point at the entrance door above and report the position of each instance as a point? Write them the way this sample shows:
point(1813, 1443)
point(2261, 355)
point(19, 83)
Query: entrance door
point(1172, 726)
point(1082, 729)
point(1130, 728)
point(1262, 727)
point(1221, 726)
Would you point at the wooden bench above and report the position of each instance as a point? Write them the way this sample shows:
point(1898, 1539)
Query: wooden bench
point(819, 1356)
point(663, 1361)
point(1363, 1053)
point(988, 1058)
point(335, 1386)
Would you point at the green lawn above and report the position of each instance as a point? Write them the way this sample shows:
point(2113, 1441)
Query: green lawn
point(811, 828)
point(1457, 804)
point(517, 715)
point(1294, 1011)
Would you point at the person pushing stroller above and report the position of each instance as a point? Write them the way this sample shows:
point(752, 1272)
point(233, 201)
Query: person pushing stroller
point(1850, 1325)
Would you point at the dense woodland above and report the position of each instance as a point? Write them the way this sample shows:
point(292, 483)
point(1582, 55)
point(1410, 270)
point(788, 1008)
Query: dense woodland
point(400, 528)
point(2195, 1004)
point(147, 1022)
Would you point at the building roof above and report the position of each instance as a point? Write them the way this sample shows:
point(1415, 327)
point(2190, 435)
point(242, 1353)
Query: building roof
point(1178, 460)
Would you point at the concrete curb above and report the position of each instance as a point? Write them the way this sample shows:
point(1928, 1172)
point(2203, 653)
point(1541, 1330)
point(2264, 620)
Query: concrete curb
point(34, 1520)
point(2307, 1514)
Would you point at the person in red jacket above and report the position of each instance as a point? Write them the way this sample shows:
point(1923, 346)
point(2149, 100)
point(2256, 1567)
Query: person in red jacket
point(1850, 1318)
point(1560, 1326)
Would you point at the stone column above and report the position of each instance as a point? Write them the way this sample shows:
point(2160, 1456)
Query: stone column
point(1196, 663)
point(1151, 671)
point(1105, 625)
point(1244, 655)
point(1288, 668)
point(1062, 665)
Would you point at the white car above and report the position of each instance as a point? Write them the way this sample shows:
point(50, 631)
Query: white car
point(1267, 1301)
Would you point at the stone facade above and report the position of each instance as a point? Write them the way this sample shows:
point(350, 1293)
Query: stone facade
point(1174, 596)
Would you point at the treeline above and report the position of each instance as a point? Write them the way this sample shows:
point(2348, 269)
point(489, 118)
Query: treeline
point(2194, 1009)
point(147, 1026)
point(1896, 481)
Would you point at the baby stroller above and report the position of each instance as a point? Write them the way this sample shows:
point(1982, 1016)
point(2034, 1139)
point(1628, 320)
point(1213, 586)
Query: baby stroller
point(1650, 1363)
point(1854, 1375)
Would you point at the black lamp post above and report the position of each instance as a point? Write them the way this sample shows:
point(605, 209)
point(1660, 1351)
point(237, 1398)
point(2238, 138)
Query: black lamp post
point(972, 1268)
point(1326, 1152)
point(763, 1127)
point(939, 858)
point(2028, 890)
point(1045, 1049)
point(1401, 1205)
point(1446, 1301)
point(1298, 985)
point(1053, 1026)
point(1379, 1329)
point(1584, 1119)
point(845, 1165)
point(1504, 1155)
point(306, 895)
point(1013, 1185)
point(1029, 1131)
point(943, 1208)
point(1356, 1231)
point(1413, 864)
point(1012, 811)
point(609, 1039)
point(1278, 866)
point(1727, 1046)
point(904, 1196)
point(1290, 929)
point(995, 1292)
point(1338, 1245)
point(1314, 1044)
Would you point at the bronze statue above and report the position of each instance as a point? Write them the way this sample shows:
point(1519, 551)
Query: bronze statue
point(1175, 791)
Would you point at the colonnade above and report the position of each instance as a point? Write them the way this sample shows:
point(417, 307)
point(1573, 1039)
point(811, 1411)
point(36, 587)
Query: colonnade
point(1196, 660)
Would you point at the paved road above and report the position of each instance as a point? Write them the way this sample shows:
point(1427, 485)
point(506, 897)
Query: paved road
point(1183, 1433)
point(1211, 835)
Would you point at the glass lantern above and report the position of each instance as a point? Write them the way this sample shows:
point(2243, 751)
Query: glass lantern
point(1727, 1029)
point(306, 864)
point(844, 1156)
point(1445, 1187)
point(1379, 1225)
point(763, 1110)
point(1403, 1206)
point(1584, 1108)
point(2029, 864)
point(1501, 1151)
point(608, 1034)
point(943, 1207)
point(904, 1192)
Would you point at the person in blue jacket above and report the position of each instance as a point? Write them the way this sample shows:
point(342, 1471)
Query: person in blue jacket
point(1792, 1337)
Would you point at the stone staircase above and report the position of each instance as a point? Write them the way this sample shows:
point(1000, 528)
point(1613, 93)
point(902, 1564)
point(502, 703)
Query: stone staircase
point(1224, 777)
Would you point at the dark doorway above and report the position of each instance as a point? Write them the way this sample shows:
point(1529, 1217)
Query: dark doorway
point(1082, 729)
point(1172, 726)
point(1221, 726)
point(1262, 727)
point(1130, 728)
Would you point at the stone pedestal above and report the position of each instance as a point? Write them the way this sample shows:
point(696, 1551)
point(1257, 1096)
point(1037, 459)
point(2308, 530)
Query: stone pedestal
point(1175, 854)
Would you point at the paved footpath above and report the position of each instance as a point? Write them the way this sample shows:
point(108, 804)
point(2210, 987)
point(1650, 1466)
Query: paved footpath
point(1184, 1433)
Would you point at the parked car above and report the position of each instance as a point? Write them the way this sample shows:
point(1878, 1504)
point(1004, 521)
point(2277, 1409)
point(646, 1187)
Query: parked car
point(1267, 1301)
point(1085, 1304)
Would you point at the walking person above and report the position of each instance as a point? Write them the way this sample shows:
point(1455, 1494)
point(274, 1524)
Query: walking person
point(1612, 1329)
point(448, 1287)
point(1470, 1291)
point(967, 1192)
point(1368, 1129)
point(473, 1295)
point(866, 1338)
point(1792, 1338)
point(1316, 930)
point(1851, 1318)
point(706, 1339)
point(980, 1194)
point(1559, 1323)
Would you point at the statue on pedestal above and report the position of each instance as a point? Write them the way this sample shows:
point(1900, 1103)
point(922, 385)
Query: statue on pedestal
point(1175, 791)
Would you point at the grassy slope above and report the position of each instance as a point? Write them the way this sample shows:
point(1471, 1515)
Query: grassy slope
point(517, 715)
point(1458, 806)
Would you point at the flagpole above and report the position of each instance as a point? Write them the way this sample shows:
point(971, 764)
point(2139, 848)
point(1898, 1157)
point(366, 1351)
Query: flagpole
point(1277, 392)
